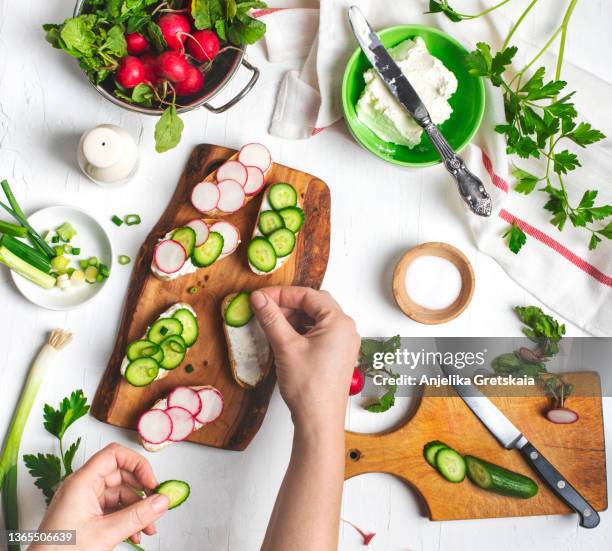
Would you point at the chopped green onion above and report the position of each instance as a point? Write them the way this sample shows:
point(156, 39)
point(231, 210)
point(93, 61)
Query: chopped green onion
point(60, 263)
point(66, 232)
point(27, 253)
point(116, 220)
point(124, 259)
point(55, 239)
point(193, 290)
point(132, 219)
point(104, 271)
point(67, 249)
point(91, 273)
point(93, 261)
point(99, 278)
point(13, 229)
point(59, 250)
point(28, 271)
point(75, 251)
point(83, 264)
point(163, 331)
point(189, 368)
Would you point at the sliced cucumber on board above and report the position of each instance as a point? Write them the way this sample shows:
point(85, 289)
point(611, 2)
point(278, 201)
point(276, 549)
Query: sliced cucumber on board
point(499, 480)
point(293, 217)
point(141, 372)
point(282, 195)
point(164, 328)
point(190, 326)
point(261, 254)
point(269, 221)
point(450, 465)
point(186, 237)
point(144, 349)
point(431, 449)
point(238, 311)
point(206, 254)
point(176, 490)
point(174, 349)
point(282, 241)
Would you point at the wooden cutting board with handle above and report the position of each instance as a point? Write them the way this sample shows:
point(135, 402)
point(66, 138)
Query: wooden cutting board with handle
point(117, 402)
point(576, 450)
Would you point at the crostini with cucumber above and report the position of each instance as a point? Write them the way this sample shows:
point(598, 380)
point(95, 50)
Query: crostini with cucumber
point(250, 355)
point(198, 244)
point(163, 346)
point(172, 419)
point(276, 231)
point(234, 183)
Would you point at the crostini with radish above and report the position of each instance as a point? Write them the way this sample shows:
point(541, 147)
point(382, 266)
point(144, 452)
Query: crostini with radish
point(174, 418)
point(250, 355)
point(234, 183)
point(198, 244)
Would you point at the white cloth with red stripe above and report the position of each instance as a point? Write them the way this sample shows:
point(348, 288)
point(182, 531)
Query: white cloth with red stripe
point(556, 267)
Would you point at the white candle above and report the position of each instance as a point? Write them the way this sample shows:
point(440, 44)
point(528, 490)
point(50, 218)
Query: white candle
point(433, 282)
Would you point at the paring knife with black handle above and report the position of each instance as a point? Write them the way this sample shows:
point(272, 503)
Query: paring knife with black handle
point(511, 438)
point(470, 187)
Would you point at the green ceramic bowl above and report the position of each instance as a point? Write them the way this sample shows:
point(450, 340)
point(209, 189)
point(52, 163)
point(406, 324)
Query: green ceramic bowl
point(468, 102)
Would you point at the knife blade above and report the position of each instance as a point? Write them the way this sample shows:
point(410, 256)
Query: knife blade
point(511, 437)
point(470, 187)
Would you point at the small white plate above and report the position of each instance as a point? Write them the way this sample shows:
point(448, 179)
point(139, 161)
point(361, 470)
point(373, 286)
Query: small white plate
point(91, 238)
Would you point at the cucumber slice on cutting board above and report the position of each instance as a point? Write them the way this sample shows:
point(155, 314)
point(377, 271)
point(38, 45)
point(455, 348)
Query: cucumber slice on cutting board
point(238, 311)
point(164, 328)
point(176, 490)
point(431, 449)
point(450, 465)
point(282, 241)
point(499, 480)
point(293, 217)
point(141, 372)
point(190, 326)
point(186, 237)
point(174, 349)
point(269, 221)
point(282, 195)
point(144, 349)
point(206, 254)
point(261, 254)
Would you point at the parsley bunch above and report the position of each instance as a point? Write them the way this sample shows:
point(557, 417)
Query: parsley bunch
point(541, 120)
point(368, 348)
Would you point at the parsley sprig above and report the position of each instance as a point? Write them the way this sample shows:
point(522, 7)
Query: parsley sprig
point(366, 359)
point(541, 122)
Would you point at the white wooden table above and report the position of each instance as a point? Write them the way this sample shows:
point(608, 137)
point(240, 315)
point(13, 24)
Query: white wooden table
point(45, 104)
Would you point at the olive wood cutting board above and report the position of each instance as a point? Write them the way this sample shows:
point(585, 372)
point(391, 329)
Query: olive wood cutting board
point(576, 450)
point(120, 404)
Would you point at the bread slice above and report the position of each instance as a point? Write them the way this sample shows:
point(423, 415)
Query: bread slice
point(249, 352)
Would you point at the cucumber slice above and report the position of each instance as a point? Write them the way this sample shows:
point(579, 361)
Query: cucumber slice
point(190, 326)
point(283, 241)
point(293, 217)
point(270, 220)
point(164, 328)
point(144, 349)
point(141, 372)
point(186, 237)
point(174, 349)
point(282, 195)
point(431, 449)
point(450, 465)
point(207, 253)
point(261, 254)
point(238, 311)
point(176, 490)
point(499, 480)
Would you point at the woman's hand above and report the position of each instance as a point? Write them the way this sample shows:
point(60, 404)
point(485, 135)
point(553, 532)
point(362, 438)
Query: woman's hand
point(315, 347)
point(101, 501)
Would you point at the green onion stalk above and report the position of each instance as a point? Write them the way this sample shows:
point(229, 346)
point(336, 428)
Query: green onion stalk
point(47, 355)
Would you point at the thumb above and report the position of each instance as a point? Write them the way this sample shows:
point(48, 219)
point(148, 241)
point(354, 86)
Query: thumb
point(272, 320)
point(131, 520)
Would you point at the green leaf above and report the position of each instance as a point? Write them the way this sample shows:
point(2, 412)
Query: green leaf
point(584, 134)
point(600, 213)
point(77, 36)
point(69, 455)
point(443, 7)
point(168, 130)
point(546, 91)
point(502, 59)
point(115, 41)
point(52, 34)
point(230, 9)
point(541, 325)
point(156, 37)
point(70, 410)
point(385, 402)
point(526, 182)
point(142, 94)
point(606, 232)
point(47, 471)
point(221, 29)
point(516, 238)
point(595, 240)
point(479, 61)
point(588, 199)
point(246, 30)
point(565, 161)
point(535, 82)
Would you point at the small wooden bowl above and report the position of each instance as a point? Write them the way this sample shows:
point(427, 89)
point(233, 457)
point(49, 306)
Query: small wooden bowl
point(418, 312)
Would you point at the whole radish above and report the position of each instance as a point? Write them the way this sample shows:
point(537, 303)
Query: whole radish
point(136, 43)
point(357, 382)
point(204, 45)
point(174, 28)
point(192, 83)
point(173, 66)
point(151, 70)
point(131, 72)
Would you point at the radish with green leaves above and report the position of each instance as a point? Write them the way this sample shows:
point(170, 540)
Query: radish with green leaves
point(174, 28)
point(203, 45)
point(131, 72)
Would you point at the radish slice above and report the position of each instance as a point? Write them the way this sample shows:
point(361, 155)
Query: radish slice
point(155, 426)
point(232, 196)
point(255, 154)
point(201, 230)
point(205, 196)
point(232, 170)
point(231, 236)
point(186, 398)
point(255, 180)
point(182, 423)
point(169, 256)
point(212, 405)
point(563, 416)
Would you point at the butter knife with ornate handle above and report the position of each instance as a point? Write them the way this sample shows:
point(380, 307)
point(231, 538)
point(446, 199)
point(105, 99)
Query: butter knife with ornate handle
point(470, 187)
